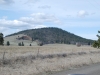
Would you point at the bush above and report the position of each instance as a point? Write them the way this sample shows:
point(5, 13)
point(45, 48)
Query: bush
point(40, 44)
point(8, 43)
point(19, 44)
point(30, 45)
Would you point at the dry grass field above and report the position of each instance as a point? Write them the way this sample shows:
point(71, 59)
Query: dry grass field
point(35, 60)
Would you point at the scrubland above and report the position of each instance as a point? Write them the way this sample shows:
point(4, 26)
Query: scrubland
point(43, 60)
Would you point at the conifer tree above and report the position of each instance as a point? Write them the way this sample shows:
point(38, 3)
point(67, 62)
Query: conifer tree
point(1, 39)
point(96, 44)
point(22, 44)
point(19, 44)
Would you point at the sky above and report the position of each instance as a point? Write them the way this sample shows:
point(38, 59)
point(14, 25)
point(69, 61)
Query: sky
point(80, 17)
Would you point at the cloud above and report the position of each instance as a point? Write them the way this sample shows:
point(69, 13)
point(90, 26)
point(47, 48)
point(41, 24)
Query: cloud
point(82, 13)
point(6, 2)
point(44, 7)
point(93, 13)
point(32, 1)
point(68, 16)
point(12, 23)
point(10, 26)
point(40, 18)
point(35, 20)
point(2, 28)
point(39, 26)
point(30, 20)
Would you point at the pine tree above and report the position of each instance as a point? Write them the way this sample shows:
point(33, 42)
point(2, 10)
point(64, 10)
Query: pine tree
point(19, 44)
point(30, 45)
point(22, 44)
point(96, 44)
point(1, 39)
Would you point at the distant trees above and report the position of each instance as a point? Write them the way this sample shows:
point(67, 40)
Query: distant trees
point(21, 44)
point(1, 39)
point(96, 44)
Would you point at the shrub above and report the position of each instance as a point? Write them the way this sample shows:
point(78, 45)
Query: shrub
point(40, 44)
point(8, 43)
point(30, 45)
point(19, 44)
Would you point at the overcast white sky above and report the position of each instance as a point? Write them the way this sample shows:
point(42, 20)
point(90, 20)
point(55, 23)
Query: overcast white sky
point(81, 17)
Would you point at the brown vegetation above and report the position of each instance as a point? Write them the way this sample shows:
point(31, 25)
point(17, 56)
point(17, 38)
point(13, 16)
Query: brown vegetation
point(45, 59)
point(24, 38)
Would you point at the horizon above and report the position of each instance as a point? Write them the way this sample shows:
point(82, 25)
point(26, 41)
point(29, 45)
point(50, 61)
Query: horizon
point(80, 17)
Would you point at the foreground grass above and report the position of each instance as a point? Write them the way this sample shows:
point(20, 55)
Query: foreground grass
point(45, 59)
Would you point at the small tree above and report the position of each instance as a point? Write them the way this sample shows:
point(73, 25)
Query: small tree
point(30, 45)
point(1, 39)
point(8, 43)
point(19, 44)
point(89, 43)
point(22, 44)
point(40, 44)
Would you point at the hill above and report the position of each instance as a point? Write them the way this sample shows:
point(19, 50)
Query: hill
point(53, 35)
point(16, 39)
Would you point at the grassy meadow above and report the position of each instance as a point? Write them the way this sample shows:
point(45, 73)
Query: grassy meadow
point(43, 60)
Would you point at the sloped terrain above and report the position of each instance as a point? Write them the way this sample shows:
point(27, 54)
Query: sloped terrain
point(15, 39)
point(53, 35)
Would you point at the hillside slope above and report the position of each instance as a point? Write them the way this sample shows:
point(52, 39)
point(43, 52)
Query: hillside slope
point(53, 35)
point(15, 39)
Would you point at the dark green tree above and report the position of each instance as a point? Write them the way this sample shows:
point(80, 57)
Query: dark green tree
point(89, 43)
point(22, 44)
point(30, 44)
point(19, 44)
point(96, 44)
point(8, 43)
point(1, 39)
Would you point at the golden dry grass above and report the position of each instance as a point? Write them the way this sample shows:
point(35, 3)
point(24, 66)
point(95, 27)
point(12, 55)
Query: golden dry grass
point(22, 63)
